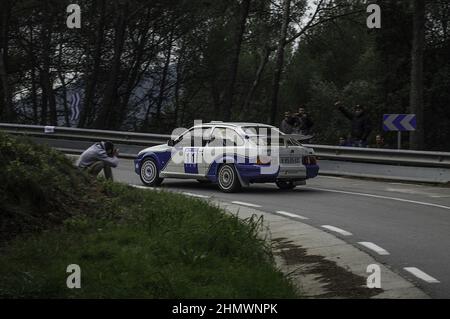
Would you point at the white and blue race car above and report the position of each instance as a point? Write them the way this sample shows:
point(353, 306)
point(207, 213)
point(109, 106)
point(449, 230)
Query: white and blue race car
point(231, 155)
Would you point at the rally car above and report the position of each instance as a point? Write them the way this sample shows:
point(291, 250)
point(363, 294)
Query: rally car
point(230, 155)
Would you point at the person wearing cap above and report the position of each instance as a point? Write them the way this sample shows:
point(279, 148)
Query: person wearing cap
point(98, 157)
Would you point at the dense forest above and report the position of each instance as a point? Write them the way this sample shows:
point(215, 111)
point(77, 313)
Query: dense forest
point(151, 66)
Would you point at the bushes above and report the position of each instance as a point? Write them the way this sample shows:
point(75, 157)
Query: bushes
point(39, 187)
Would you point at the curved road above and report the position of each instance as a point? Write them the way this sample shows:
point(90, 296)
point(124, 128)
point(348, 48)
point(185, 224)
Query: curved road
point(410, 223)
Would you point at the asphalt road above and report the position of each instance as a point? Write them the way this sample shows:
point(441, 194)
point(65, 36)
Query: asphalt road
point(410, 222)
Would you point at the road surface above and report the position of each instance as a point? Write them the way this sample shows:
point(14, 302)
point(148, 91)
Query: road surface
point(409, 225)
point(404, 226)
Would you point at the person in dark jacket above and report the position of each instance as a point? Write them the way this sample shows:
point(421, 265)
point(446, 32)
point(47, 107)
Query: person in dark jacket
point(379, 142)
point(303, 123)
point(98, 157)
point(361, 127)
point(287, 125)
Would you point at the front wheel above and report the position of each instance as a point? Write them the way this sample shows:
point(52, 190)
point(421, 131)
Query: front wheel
point(228, 179)
point(286, 185)
point(149, 173)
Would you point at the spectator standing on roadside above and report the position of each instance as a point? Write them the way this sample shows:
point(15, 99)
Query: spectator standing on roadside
point(343, 142)
point(287, 125)
point(361, 126)
point(379, 142)
point(98, 157)
point(303, 123)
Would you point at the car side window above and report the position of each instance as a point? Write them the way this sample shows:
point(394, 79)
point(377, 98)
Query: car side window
point(217, 138)
point(225, 137)
point(194, 137)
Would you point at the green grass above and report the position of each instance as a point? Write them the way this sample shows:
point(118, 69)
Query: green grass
point(129, 243)
point(149, 245)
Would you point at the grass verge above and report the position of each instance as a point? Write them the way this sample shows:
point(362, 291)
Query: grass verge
point(130, 243)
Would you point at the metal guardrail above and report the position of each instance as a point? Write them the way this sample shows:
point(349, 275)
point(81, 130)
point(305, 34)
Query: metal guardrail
point(383, 156)
point(77, 134)
point(359, 155)
point(413, 166)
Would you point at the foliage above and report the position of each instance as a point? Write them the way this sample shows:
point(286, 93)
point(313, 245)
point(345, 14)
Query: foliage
point(129, 243)
point(39, 187)
point(156, 65)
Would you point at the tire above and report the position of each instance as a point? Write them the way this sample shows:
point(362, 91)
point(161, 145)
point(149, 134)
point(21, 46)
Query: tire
point(149, 173)
point(227, 179)
point(285, 185)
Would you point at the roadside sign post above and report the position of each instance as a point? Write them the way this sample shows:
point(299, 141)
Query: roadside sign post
point(399, 123)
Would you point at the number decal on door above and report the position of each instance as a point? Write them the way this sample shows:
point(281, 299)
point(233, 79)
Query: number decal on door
point(190, 160)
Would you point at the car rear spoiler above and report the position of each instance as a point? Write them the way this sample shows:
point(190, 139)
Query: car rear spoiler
point(299, 137)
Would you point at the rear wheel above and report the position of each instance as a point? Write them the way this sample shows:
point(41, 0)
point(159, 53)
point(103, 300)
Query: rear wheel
point(228, 179)
point(149, 173)
point(285, 185)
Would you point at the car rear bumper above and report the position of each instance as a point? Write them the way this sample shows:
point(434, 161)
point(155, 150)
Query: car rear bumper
point(255, 173)
point(312, 171)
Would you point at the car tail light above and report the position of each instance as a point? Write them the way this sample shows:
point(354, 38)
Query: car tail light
point(309, 160)
point(263, 160)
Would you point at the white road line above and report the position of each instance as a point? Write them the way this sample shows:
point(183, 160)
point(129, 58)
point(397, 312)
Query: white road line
point(245, 204)
point(375, 248)
point(195, 195)
point(144, 187)
point(331, 177)
point(382, 197)
point(337, 230)
point(421, 275)
point(279, 212)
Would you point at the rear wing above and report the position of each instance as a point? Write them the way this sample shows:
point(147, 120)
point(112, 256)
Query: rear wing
point(299, 137)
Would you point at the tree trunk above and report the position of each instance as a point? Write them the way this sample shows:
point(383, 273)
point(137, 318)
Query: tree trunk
point(178, 83)
point(7, 111)
point(279, 62)
point(61, 77)
point(33, 77)
point(107, 117)
point(234, 65)
point(91, 82)
point(416, 94)
point(163, 83)
point(135, 76)
point(48, 96)
point(262, 64)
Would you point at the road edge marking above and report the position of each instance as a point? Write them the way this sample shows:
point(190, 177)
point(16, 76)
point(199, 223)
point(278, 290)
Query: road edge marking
point(246, 204)
point(195, 195)
point(421, 275)
point(337, 230)
point(374, 247)
point(287, 214)
point(380, 196)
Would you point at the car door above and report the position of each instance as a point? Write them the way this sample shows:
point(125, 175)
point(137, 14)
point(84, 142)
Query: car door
point(187, 155)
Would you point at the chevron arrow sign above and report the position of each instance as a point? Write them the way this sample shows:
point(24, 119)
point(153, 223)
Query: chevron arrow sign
point(75, 106)
point(399, 122)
